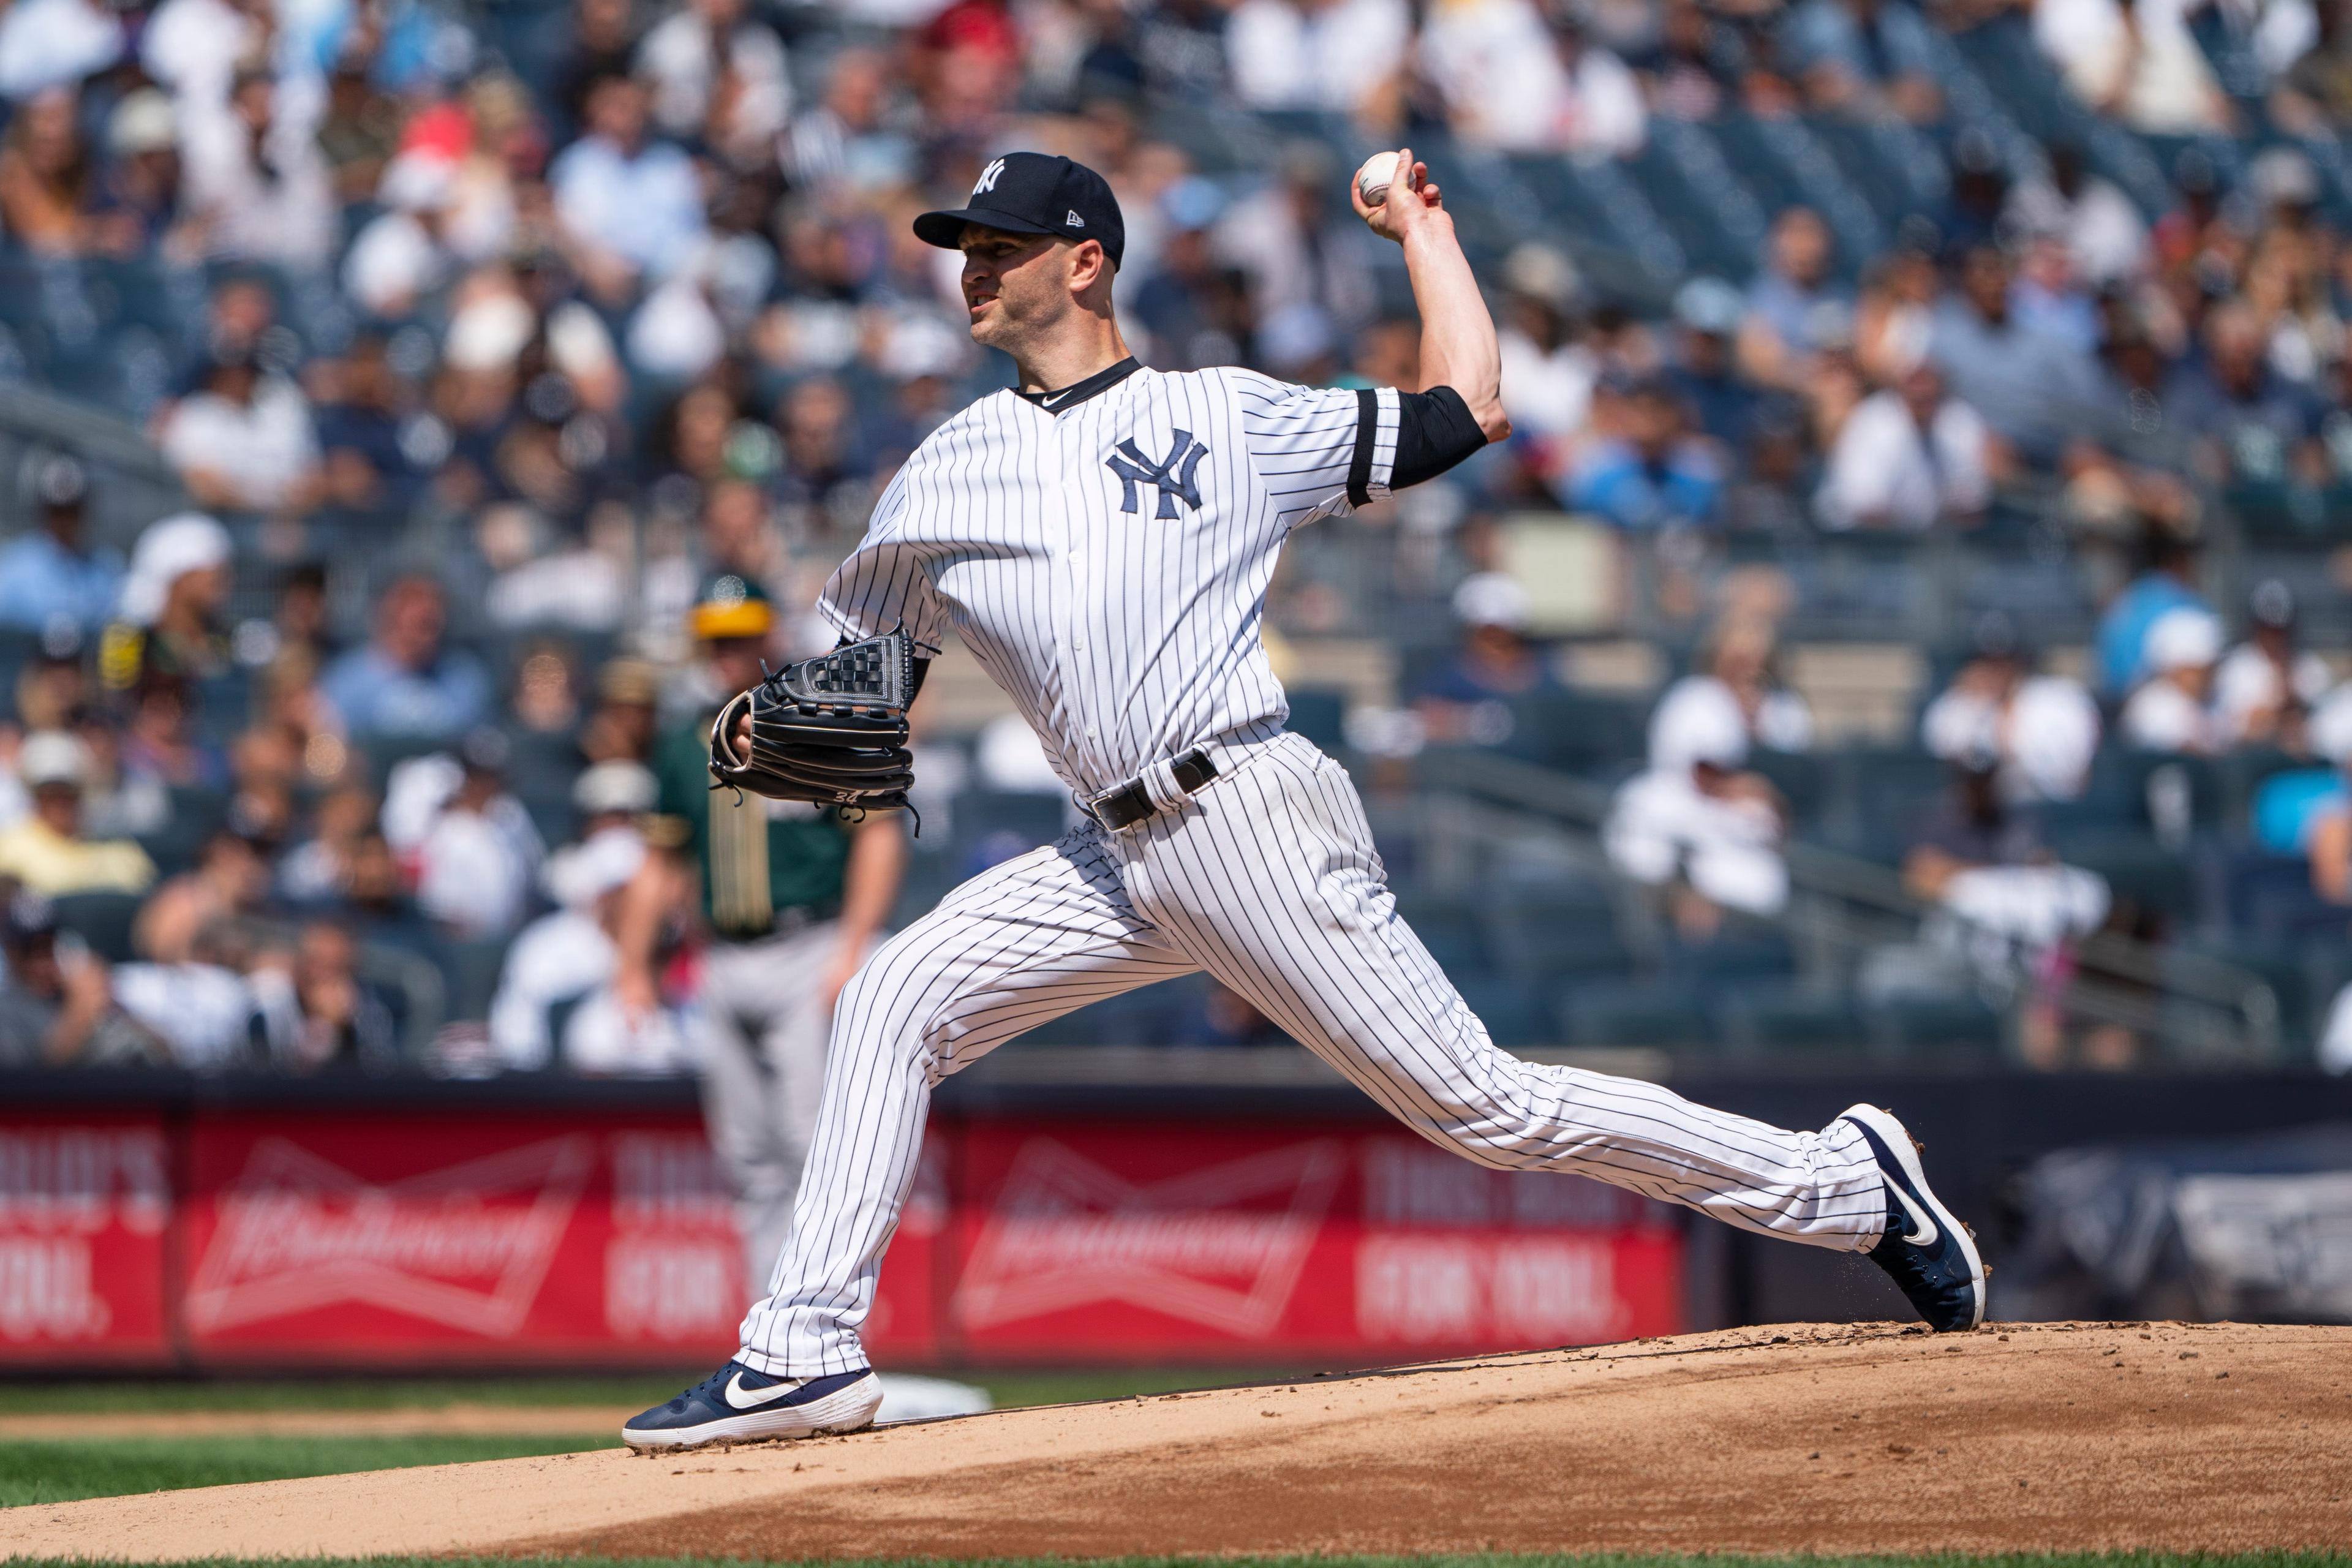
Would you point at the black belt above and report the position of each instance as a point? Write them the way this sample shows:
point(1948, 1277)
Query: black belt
point(1130, 802)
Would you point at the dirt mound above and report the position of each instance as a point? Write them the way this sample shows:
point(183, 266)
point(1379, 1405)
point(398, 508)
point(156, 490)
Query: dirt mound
point(1822, 1440)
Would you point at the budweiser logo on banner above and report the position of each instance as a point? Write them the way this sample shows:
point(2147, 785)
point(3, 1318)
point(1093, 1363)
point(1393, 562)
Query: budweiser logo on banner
point(1067, 1233)
point(466, 1247)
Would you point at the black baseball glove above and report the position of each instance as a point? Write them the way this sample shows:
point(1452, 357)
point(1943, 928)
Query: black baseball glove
point(831, 730)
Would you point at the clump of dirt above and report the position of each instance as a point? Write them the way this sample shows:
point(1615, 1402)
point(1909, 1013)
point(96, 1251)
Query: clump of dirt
point(1808, 1438)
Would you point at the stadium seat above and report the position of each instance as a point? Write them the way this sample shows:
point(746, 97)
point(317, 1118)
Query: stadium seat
point(471, 970)
point(1513, 1012)
point(1927, 1029)
point(1317, 714)
point(1784, 1018)
point(1634, 1014)
point(102, 921)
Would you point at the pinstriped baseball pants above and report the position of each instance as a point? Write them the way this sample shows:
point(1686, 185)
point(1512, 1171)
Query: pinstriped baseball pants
point(1267, 880)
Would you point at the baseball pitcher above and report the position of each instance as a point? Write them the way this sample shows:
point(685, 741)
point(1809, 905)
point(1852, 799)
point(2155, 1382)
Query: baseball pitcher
point(1101, 538)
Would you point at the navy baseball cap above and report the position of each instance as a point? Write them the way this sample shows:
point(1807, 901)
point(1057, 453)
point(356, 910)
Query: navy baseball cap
point(1032, 193)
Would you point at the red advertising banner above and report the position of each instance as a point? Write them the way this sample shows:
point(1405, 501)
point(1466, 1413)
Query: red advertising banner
point(85, 1204)
point(1191, 1240)
point(388, 1237)
point(245, 1237)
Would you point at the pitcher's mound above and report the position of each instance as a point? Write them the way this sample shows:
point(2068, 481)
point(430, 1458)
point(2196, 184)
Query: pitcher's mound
point(1868, 1438)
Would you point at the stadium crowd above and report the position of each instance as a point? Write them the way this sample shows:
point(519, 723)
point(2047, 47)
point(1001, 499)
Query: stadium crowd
point(492, 347)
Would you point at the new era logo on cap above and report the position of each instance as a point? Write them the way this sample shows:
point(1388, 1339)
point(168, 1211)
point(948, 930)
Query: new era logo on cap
point(1033, 193)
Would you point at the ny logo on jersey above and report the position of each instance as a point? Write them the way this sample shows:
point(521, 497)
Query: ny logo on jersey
point(988, 178)
point(1173, 476)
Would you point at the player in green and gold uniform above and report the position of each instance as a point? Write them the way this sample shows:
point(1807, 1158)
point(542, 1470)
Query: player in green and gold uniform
point(795, 897)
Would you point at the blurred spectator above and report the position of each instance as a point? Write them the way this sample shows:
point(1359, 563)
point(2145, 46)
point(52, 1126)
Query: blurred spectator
point(46, 852)
point(1653, 472)
point(171, 604)
point(852, 139)
point(1296, 238)
point(717, 75)
point(2324, 832)
point(140, 198)
point(2317, 86)
point(254, 173)
point(2104, 234)
point(1340, 55)
point(2167, 582)
point(204, 1009)
point(57, 1007)
point(243, 440)
point(1984, 860)
point(404, 682)
point(1496, 664)
point(318, 870)
point(2135, 60)
point(229, 881)
point(1192, 306)
point(2266, 686)
point(50, 574)
point(1795, 306)
point(477, 859)
point(1735, 683)
point(1704, 372)
point(1518, 80)
point(46, 44)
point(633, 206)
point(2246, 422)
point(376, 451)
point(1863, 56)
point(569, 954)
point(2172, 711)
point(2042, 730)
point(620, 728)
point(160, 741)
point(1696, 824)
point(1908, 457)
point(316, 1010)
point(1548, 375)
point(2033, 387)
point(45, 177)
point(360, 130)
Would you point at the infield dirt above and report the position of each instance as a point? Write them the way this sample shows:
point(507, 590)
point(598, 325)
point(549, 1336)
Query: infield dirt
point(1827, 1439)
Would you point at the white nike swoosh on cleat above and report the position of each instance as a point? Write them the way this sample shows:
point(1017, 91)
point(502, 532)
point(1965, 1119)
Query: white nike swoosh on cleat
point(742, 1398)
point(1923, 1229)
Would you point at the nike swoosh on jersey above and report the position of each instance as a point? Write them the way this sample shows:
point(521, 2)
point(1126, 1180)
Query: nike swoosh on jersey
point(1923, 1227)
point(742, 1398)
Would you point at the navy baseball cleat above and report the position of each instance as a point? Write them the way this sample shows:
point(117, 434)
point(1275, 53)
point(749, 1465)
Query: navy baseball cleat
point(736, 1405)
point(1930, 1253)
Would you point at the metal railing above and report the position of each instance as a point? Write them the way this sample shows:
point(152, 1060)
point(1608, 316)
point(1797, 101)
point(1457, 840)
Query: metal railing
point(1843, 909)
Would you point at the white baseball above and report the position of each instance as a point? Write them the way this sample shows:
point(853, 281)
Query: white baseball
point(1379, 171)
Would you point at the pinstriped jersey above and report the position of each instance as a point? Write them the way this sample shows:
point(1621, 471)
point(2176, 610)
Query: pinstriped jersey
point(1105, 557)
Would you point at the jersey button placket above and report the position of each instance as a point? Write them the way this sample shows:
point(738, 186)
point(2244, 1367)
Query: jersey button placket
point(1075, 432)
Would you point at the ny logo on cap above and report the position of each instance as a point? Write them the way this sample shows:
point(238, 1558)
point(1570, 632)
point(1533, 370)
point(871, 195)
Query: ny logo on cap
point(1173, 476)
point(988, 178)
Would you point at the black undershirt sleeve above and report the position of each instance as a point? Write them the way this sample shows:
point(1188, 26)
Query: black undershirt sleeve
point(1436, 430)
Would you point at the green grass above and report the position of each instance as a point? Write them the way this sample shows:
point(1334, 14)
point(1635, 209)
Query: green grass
point(46, 1471)
point(1011, 1389)
point(1467, 1560)
point(36, 1470)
